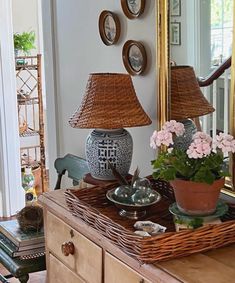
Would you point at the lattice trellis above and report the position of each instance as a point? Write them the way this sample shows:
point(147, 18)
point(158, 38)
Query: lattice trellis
point(30, 111)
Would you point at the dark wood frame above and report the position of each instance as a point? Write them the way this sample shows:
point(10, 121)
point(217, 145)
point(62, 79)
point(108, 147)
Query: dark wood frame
point(179, 14)
point(125, 56)
point(127, 11)
point(103, 34)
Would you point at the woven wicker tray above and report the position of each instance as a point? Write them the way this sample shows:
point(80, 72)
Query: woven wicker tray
point(91, 206)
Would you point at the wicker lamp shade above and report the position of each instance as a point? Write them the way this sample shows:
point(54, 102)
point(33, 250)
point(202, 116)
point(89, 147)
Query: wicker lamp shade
point(187, 100)
point(110, 102)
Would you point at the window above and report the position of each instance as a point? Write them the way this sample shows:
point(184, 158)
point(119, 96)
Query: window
point(221, 30)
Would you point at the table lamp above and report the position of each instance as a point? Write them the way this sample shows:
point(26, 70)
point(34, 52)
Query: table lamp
point(186, 101)
point(109, 105)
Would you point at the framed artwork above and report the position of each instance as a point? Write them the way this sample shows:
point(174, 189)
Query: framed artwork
point(175, 33)
point(175, 7)
point(109, 27)
point(133, 8)
point(134, 57)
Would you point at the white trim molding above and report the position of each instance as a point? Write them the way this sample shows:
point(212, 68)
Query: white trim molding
point(50, 54)
point(11, 192)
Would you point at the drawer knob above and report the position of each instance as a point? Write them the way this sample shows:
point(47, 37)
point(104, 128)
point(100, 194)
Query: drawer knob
point(67, 248)
point(141, 281)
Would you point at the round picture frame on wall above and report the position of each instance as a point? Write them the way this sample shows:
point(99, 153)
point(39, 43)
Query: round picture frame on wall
point(109, 27)
point(133, 8)
point(134, 57)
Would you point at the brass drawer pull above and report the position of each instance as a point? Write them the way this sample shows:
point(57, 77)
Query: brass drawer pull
point(67, 248)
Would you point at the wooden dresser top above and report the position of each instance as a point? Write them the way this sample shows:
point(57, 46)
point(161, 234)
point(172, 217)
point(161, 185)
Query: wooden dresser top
point(216, 266)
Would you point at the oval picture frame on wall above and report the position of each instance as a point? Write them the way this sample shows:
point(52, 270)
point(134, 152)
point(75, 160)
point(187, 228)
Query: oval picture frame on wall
point(134, 57)
point(133, 8)
point(109, 27)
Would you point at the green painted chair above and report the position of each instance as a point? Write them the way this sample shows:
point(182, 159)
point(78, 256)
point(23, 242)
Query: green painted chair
point(74, 165)
point(20, 268)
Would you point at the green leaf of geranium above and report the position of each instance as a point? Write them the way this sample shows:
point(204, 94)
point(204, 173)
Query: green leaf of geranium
point(224, 174)
point(196, 223)
point(204, 175)
point(169, 174)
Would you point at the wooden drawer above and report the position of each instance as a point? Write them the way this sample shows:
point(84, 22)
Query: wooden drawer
point(87, 258)
point(116, 271)
point(59, 273)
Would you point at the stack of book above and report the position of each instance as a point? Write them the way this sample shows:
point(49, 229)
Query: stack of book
point(17, 243)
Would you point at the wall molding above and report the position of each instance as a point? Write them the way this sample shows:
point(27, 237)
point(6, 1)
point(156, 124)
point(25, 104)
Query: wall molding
point(49, 39)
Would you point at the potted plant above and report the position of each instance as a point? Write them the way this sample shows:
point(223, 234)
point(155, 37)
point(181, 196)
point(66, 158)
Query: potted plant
point(24, 42)
point(196, 174)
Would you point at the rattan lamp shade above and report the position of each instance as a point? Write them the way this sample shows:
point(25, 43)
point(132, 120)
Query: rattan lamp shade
point(110, 102)
point(186, 100)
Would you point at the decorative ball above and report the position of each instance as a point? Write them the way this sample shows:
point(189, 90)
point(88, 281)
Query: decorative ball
point(30, 218)
point(123, 194)
point(142, 182)
point(143, 195)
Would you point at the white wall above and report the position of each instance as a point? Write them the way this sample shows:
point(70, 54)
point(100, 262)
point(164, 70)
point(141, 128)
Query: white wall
point(25, 18)
point(11, 194)
point(179, 53)
point(80, 51)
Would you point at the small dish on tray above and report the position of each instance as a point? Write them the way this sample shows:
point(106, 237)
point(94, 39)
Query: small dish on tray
point(184, 222)
point(135, 210)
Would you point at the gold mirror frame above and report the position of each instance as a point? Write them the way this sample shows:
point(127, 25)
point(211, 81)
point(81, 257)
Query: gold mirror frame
point(231, 192)
point(163, 73)
point(162, 61)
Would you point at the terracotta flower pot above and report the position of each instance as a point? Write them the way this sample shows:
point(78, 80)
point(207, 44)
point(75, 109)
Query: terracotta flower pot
point(195, 198)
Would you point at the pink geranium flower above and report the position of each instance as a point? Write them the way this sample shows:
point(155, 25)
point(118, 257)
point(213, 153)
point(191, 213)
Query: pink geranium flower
point(201, 146)
point(174, 127)
point(225, 142)
point(161, 138)
point(199, 149)
point(202, 136)
point(202, 161)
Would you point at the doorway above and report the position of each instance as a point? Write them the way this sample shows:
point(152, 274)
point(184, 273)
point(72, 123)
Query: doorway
point(11, 192)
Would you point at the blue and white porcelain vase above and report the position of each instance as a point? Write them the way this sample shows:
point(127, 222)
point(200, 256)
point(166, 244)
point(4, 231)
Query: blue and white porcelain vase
point(103, 146)
point(183, 142)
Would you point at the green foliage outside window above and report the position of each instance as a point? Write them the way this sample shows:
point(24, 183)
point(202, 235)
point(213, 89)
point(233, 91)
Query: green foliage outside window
point(24, 41)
